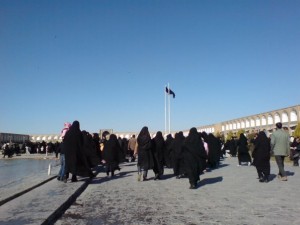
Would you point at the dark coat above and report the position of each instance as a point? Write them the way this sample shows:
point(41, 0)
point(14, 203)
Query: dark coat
point(168, 155)
point(177, 145)
point(193, 153)
point(214, 151)
point(90, 150)
point(243, 150)
point(232, 147)
point(76, 161)
point(112, 152)
point(144, 142)
point(158, 150)
point(96, 141)
point(261, 153)
point(178, 156)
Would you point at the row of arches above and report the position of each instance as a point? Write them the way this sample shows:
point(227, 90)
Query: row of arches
point(288, 116)
point(207, 130)
point(46, 138)
point(262, 120)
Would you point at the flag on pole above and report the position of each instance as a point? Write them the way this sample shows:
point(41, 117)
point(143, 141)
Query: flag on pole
point(170, 92)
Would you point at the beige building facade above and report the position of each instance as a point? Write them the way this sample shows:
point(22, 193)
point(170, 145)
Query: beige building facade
point(289, 117)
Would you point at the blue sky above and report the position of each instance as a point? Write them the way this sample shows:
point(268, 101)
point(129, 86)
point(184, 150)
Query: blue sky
point(106, 63)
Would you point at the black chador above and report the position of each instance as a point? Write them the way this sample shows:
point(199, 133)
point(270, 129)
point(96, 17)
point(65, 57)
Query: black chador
point(178, 160)
point(214, 153)
point(261, 156)
point(168, 151)
point(145, 156)
point(76, 160)
point(158, 150)
point(193, 154)
point(112, 154)
point(90, 150)
point(243, 150)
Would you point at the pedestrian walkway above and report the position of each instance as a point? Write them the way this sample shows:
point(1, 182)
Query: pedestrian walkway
point(228, 195)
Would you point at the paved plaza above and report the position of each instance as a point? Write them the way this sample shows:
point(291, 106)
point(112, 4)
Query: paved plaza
point(227, 195)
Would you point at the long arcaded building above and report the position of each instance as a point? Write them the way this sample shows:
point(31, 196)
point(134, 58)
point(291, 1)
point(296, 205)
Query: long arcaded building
point(289, 117)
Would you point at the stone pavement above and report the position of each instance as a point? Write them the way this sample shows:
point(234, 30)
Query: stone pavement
point(18, 184)
point(228, 195)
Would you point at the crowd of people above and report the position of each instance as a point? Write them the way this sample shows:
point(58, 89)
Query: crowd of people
point(188, 156)
point(9, 149)
point(79, 152)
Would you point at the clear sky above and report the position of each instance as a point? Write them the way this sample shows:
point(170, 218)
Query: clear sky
point(105, 63)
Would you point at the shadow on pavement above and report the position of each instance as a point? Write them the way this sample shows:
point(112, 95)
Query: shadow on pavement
point(222, 165)
point(289, 173)
point(212, 180)
point(99, 180)
point(128, 164)
point(274, 176)
point(166, 176)
point(217, 167)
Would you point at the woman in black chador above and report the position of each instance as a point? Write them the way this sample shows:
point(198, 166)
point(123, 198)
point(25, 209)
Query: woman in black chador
point(158, 155)
point(112, 154)
point(214, 153)
point(145, 159)
point(243, 150)
point(193, 154)
point(76, 161)
point(178, 161)
point(261, 156)
point(168, 151)
point(96, 141)
point(90, 149)
point(232, 146)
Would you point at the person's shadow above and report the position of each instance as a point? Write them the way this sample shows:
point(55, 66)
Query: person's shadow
point(212, 180)
point(289, 173)
point(273, 176)
point(99, 180)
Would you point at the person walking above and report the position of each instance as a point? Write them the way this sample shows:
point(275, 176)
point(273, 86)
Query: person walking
point(214, 151)
point(261, 156)
point(131, 147)
point(296, 151)
point(112, 154)
point(193, 153)
point(243, 150)
point(280, 146)
point(76, 161)
point(168, 154)
point(143, 150)
point(177, 149)
point(61, 149)
point(232, 147)
point(158, 155)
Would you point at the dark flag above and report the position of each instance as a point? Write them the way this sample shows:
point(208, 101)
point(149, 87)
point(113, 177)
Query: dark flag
point(170, 92)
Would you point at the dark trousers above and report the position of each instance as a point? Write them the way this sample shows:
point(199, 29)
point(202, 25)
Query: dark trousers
point(280, 163)
point(296, 159)
point(131, 155)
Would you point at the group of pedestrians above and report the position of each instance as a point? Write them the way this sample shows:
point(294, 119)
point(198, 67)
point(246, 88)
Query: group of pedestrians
point(78, 155)
point(278, 145)
point(188, 156)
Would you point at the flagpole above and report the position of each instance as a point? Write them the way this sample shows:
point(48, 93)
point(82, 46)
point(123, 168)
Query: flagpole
point(165, 110)
point(169, 109)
